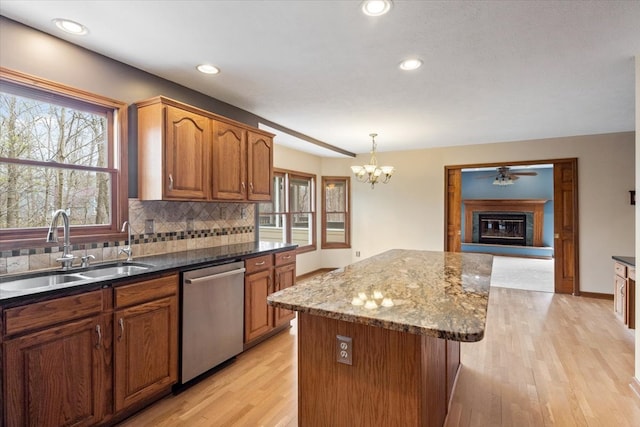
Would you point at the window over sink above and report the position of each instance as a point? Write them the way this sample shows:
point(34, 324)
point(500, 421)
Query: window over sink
point(60, 148)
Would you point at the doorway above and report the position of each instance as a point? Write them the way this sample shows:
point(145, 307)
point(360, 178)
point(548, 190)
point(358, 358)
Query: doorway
point(565, 196)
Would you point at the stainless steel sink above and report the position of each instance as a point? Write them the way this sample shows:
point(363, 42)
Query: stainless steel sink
point(59, 280)
point(113, 270)
point(40, 282)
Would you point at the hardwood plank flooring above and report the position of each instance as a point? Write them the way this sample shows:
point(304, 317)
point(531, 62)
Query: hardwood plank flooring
point(546, 360)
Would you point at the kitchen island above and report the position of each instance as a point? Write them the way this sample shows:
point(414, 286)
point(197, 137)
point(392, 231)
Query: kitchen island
point(379, 340)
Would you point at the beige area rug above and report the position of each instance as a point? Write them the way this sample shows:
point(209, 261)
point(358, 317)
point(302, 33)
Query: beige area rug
point(529, 274)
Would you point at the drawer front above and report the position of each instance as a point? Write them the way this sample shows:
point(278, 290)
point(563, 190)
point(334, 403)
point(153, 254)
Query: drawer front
point(259, 263)
point(47, 313)
point(287, 257)
point(632, 273)
point(148, 290)
point(620, 269)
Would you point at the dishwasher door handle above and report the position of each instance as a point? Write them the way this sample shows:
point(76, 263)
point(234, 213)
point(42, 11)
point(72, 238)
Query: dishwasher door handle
point(214, 276)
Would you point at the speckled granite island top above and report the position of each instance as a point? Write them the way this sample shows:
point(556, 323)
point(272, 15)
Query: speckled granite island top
point(440, 294)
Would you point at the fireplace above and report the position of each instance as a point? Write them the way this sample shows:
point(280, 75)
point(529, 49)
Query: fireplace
point(502, 228)
point(516, 222)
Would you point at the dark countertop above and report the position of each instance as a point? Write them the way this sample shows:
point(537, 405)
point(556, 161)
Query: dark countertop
point(440, 294)
point(629, 260)
point(181, 261)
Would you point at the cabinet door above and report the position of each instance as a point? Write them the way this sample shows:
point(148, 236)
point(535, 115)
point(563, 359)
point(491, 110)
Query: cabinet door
point(229, 162)
point(619, 297)
point(57, 377)
point(260, 166)
point(285, 277)
point(146, 350)
point(258, 315)
point(187, 148)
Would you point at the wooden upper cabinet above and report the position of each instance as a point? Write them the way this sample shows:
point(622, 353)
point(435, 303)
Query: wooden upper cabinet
point(187, 145)
point(185, 153)
point(174, 148)
point(259, 166)
point(229, 168)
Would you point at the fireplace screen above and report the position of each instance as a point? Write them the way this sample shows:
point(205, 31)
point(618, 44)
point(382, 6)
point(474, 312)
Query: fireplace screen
point(502, 229)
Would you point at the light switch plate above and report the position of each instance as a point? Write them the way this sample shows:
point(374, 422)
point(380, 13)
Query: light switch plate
point(344, 350)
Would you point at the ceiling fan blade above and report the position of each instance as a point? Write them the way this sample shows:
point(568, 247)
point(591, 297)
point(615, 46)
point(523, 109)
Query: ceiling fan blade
point(524, 173)
point(493, 175)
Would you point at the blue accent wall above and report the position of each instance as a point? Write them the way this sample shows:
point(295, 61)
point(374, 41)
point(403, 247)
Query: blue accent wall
point(526, 187)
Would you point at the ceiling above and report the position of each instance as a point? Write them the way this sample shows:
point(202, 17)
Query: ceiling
point(493, 70)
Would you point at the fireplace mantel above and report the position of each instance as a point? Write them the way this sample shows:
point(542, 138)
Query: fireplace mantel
point(535, 206)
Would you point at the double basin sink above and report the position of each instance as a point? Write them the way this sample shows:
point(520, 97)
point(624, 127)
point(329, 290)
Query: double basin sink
point(58, 279)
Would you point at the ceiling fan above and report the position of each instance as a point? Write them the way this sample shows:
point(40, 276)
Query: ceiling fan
point(505, 176)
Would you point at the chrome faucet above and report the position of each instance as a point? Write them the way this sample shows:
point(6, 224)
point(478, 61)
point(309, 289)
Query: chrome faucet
point(127, 249)
point(52, 236)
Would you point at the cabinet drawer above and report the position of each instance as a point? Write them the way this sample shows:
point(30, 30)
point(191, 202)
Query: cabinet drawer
point(146, 291)
point(620, 269)
point(287, 257)
point(258, 263)
point(47, 313)
point(632, 273)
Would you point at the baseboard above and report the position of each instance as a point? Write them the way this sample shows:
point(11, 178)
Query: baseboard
point(635, 386)
point(597, 295)
point(313, 273)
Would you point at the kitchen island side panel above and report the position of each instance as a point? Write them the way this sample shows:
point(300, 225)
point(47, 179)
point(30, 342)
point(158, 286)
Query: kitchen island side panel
point(396, 378)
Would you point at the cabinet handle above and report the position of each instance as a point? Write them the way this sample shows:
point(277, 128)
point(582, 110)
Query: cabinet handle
point(121, 323)
point(270, 284)
point(170, 182)
point(251, 187)
point(243, 186)
point(286, 257)
point(260, 263)
point(99, 332)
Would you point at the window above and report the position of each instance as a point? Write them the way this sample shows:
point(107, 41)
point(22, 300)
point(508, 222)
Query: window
point(60, 148)
point(290, 217)
point(335, 212)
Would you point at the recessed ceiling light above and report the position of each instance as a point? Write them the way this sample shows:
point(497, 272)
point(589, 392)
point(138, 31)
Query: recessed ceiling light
point(410, 64)
point(376, 7)
point(70, 27)
point(208, 69)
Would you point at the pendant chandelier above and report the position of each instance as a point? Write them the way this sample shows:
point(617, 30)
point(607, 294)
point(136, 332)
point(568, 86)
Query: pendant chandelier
point(372, 173)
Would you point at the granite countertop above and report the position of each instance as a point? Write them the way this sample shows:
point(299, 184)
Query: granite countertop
point(440, 294)
point(182, 261)
point(629, 260)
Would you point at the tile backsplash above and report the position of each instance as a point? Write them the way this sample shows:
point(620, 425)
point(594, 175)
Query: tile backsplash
point(157, 227)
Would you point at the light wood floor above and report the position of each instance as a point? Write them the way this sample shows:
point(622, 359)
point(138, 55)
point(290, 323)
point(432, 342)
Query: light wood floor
point(546, 360)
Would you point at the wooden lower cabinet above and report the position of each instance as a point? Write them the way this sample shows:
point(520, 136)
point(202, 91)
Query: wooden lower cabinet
point(285, 276)
point(264, 275)
point(86, 359)
point(145, 351)
point(258, 316)
point(624, 296)
point(56, 361)
point(58, 376)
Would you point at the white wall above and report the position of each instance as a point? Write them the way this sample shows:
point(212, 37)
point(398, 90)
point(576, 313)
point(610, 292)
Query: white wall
point(409, 212)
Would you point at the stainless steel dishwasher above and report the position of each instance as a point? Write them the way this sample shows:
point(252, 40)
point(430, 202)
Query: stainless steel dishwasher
point(212, 317)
